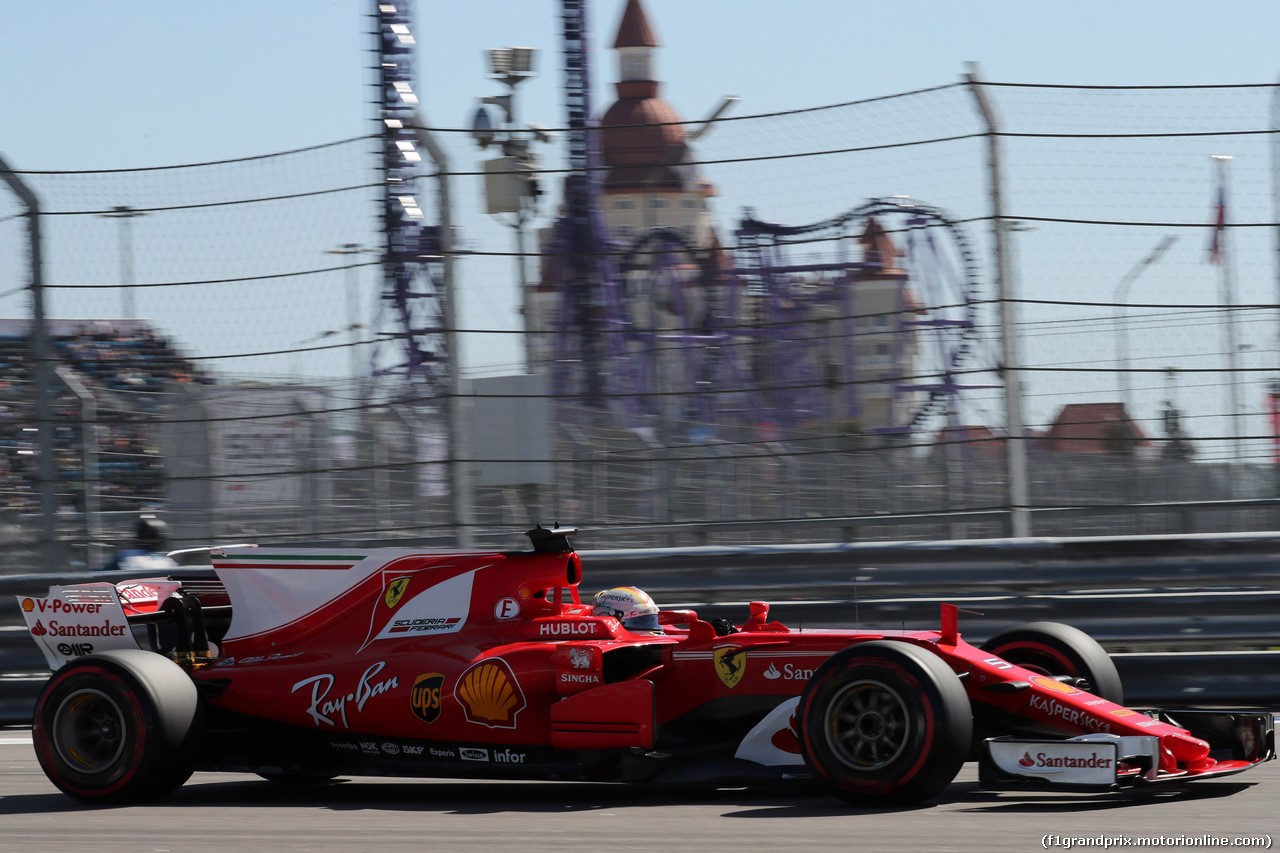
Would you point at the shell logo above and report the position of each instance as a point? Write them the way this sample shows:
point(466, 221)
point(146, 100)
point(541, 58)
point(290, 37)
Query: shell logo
point(490, 695)
point(1053, 684)
point(28, 605)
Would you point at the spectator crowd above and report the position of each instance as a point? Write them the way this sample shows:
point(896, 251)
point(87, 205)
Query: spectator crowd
point(127, 368)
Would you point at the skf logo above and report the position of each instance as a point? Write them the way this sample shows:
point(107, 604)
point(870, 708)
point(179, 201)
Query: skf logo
point(731, 664)
point(490, 695)
point(424, 698)
point(395, 591)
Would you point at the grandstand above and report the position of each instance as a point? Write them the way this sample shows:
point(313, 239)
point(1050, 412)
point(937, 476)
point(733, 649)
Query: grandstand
point(109, 377)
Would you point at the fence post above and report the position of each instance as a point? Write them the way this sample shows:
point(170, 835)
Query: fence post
point(461, 493)
point(50, 550)
point(1015, 442)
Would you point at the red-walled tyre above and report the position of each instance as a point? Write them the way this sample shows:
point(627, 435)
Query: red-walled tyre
point(120, 726)
point(1053, 649)
point(884, 723)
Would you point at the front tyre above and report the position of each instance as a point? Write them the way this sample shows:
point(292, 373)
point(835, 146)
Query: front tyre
point(885, 723)
point(1055, 649)
point(120, 726)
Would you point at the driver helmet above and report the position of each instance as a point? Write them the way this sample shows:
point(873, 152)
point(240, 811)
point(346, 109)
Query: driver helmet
point(630, 606)
point(150, 533)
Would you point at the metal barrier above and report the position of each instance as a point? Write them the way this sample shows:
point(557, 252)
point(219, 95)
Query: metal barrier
point(1190, 619)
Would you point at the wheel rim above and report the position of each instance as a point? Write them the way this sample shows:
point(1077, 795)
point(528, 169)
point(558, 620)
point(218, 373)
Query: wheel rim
point(89, 731)
point(868, 725)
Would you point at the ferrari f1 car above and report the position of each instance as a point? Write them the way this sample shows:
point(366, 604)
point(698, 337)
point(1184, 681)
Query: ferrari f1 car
point(304, 665)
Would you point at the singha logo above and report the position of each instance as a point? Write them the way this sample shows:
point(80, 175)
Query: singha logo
point(580, 658)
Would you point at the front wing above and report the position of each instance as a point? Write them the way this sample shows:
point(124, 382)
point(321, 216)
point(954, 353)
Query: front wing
point(1237, 740)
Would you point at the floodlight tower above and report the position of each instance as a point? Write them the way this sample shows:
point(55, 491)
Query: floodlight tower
point(511, 184)
point(413, 295)
point(589, 273)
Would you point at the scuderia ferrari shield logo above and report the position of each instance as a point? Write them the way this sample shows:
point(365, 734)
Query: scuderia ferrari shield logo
point(395, 590)
point(731, 664)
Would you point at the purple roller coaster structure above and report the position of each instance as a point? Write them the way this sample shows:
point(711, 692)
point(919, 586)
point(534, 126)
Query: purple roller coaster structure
point(664, 329)
point(889, 341)
point(870, 317)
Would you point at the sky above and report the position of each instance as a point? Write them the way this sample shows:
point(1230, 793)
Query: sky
point(94, 85)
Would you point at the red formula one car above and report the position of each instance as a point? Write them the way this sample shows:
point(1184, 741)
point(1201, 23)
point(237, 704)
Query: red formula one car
point(303, 665)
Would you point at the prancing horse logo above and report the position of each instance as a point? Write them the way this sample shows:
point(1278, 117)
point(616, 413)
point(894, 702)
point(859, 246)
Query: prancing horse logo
point(731, 664)
point(395, 590)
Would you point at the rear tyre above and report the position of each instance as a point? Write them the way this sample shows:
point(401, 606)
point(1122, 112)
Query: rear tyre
point(120, 726)
point(1054, 649)
point(884, 723)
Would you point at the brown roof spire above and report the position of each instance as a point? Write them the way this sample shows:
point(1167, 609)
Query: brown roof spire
point(634, 31)
point(879, 246)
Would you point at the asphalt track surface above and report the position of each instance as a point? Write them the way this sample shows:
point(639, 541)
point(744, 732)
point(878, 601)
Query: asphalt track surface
point(232, 812)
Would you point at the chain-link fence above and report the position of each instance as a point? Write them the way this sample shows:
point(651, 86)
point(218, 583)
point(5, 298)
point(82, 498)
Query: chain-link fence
point(214, 336)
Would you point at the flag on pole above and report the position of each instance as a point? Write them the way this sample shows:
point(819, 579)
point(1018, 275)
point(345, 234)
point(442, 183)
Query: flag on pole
point(1219, 227)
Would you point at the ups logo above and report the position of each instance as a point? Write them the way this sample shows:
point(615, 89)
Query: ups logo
point(424, 698)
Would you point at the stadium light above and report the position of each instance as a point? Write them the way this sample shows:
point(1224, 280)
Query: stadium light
point(511, 184)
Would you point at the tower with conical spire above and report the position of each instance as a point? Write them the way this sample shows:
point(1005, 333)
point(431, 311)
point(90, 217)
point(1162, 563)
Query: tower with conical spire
point(650, 182)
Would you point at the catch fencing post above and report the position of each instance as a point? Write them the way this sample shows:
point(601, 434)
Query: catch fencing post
point(1015, 441)
point(50, 551)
